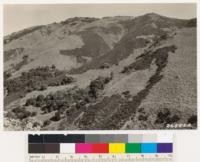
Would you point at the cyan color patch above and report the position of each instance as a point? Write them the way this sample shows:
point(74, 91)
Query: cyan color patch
point(149, 148)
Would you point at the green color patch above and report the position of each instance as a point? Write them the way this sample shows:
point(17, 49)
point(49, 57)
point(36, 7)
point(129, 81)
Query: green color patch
point(133, 148)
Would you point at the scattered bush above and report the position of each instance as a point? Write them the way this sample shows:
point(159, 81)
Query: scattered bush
point(40, 98)
point(7, 74)
point(53, 67)
point(142, 117)
point(80, 105)
point(164, 36)
point(22, 95)
point(67, 80)
point(192, 120)
point(46, 123)
point(126, 93)
point(25, 57)
point(126, 69)
point(87, 99)
point(98, 84)
point(21, 113)
point(56, 117)
point(141, 110)
point(105, 66)
point(166, 117)
point(30, 101)
point(36, 124)
point(43, 87)
point(174, 118)
point(33, 114)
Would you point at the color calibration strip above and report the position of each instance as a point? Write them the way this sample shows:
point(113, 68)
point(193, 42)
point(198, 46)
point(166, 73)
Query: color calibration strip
point(100, 144)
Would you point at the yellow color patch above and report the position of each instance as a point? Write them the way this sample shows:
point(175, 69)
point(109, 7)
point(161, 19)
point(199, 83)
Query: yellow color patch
point(116, 148)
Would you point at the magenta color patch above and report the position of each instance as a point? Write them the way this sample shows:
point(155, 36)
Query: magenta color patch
point(83, 148)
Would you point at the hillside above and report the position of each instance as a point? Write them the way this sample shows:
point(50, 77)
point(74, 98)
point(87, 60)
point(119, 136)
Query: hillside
point(111, 73)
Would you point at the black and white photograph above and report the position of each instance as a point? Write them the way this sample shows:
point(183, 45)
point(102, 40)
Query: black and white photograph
point(100, 66)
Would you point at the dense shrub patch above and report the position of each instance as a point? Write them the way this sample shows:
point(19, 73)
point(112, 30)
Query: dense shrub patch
point(37, 79)
point(67, 102)
point(145, 59)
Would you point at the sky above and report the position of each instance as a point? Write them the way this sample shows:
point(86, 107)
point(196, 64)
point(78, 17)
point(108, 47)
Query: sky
point(19, 16)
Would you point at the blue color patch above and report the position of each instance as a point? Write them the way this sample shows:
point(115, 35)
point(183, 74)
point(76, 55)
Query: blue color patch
point(149, 148)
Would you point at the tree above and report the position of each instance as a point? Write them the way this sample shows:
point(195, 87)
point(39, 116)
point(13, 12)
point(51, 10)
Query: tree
point(40, 98)
point(46, 123)
point(192, 120)
point(25, 57)
point(53, 67)
point(164, 36)
point(33, 114)
point(105, 66)
point(98, 84)
point(43, 87)
point(30, 101)
point(68, 80)
point(57, 116)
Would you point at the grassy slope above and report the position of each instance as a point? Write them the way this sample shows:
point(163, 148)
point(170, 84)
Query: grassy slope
point(177, 90)
point(179, 76)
